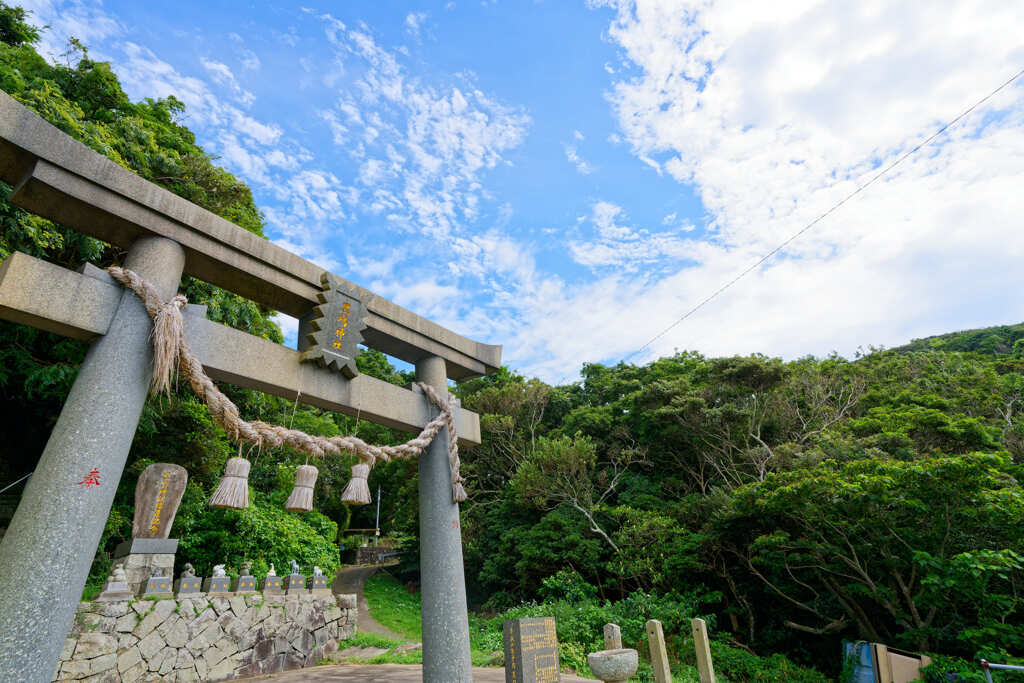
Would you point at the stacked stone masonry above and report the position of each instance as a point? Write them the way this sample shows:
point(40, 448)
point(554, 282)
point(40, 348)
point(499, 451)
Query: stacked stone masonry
point(202, 639)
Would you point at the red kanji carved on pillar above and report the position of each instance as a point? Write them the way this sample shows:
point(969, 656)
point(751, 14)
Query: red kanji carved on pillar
point(91, 479)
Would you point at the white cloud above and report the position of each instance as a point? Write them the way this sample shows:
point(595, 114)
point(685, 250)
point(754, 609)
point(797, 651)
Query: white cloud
point(422, 147)
point(574, 158)
point(414, 22)
point(773, 112)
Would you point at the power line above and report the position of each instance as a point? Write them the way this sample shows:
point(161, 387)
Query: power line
point(817, 220)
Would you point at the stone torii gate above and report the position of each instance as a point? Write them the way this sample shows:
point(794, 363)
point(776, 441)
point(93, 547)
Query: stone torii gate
point(58, 523)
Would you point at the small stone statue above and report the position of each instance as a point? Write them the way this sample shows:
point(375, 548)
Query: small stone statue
point(156, 573)
point(246, 568)
point(188, 571)
point(119, 574)
point(218, 570)
point(317, 571)
point(295, 567)
point(271, 572)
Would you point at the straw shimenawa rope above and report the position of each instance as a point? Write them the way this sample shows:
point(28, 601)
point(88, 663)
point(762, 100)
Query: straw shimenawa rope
point(171, 351)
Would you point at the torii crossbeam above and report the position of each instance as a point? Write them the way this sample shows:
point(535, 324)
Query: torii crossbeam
point(58, 523)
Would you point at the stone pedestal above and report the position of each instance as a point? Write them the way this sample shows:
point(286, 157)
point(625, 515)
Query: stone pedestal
point(272, 585)
point(318, 585)
point(142, 555)
point(114, 591)
point(189, 587)
point(218, 586)
point(295, 583)
point(158, 587)
point(244, 584)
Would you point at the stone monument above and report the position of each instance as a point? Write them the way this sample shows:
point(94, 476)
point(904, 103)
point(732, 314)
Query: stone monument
point(157, 497)
point(531, 651)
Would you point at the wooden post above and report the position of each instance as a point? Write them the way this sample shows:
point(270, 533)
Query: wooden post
point(659, 655)
point(703, 647)
point(612, 637)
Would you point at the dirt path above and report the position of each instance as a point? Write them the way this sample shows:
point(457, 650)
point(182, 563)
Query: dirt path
point(352, 580)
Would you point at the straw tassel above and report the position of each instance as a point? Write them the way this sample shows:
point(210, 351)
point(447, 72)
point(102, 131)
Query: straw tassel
point(458, 492)
point(233, 491)
point(168, 330)
point(301, 499)
point(358, 490)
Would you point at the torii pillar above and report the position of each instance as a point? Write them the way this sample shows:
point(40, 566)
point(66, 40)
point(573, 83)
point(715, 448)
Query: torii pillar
point(66, 503)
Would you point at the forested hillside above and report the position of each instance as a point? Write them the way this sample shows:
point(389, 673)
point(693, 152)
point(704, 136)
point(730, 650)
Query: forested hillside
point(794, 504)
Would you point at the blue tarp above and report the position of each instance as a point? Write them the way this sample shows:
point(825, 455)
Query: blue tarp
point(864, 670)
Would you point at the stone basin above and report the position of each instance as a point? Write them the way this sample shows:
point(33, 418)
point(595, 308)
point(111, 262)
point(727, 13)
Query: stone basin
point(613, 665)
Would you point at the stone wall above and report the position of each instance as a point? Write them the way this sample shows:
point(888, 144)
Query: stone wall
point(201, 639)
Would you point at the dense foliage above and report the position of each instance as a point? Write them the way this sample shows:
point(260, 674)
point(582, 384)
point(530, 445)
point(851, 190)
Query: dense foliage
point(819, 499)
point(793, 504)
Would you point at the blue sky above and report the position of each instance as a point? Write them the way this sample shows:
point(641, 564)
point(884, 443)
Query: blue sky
point(567, 178)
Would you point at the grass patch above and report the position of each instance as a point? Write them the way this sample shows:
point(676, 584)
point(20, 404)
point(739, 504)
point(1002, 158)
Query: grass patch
point(396, 609)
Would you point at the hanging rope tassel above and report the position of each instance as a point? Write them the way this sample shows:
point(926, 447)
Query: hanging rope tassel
point(301, 499)
point(233, 490)
point(358, 490)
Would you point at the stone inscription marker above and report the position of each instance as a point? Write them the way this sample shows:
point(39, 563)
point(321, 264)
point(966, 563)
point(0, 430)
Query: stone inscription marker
point(531, 651)
point(157, 497)
point(166, 236)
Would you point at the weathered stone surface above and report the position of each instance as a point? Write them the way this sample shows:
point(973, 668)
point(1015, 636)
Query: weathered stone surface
point(177, 635)
point(150, 645)
point(95, 644)
point(125, 641)
point(238, 605)
point(113, 609)
point(68, 649)
point(346, 600)
point(161, 609)
point(74, 669)
point(133, 674)
point(127, 623)
point(128, 659)
point(185, 660)
point(102, 663)
point(168, 657)
point(187, 676)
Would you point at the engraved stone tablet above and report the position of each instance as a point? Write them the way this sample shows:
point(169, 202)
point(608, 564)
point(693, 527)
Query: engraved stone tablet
point(337, 327)
point(531, 651)
point(157, 496)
